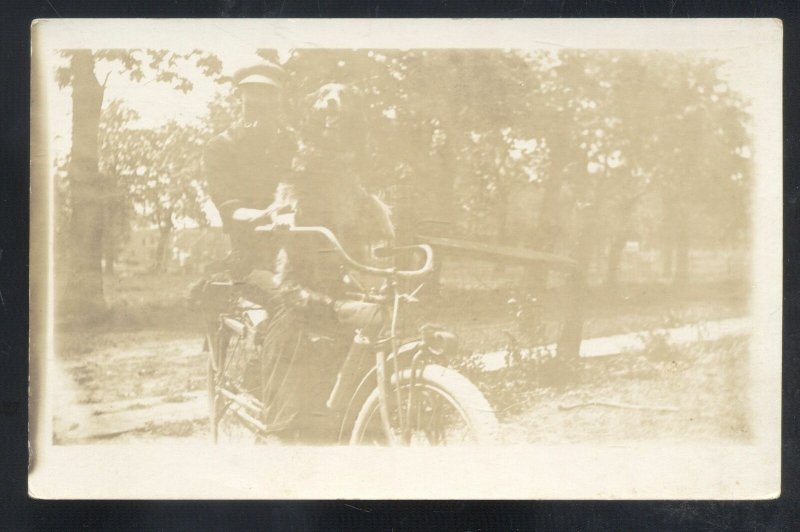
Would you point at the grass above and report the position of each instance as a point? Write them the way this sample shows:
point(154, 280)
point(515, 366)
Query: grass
point(478, 315)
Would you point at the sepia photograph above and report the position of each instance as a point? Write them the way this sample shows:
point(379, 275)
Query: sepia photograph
point(334, 258)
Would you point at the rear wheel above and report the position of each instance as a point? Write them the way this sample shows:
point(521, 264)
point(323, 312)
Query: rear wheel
point(441, 408)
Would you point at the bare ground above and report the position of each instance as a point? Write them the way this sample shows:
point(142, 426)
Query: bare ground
point(150, 386)
point(696, 394)
point(140, 375)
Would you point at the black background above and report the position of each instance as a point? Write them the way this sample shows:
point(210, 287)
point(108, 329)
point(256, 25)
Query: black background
point(18, 512)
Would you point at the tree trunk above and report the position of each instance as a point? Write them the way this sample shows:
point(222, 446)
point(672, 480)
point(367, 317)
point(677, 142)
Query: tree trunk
point(667, 253)
point(669, 239)
point(162, 250)
point(444, 180)
point(614, 259)
point(547, 228)
point(109, 258)
point(569, 341)
point(110, 240)
point(84, 292)
point(618, 242)
point(402, 203)
point(501, 215)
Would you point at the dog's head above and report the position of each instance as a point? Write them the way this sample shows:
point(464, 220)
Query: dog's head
point(334, 119)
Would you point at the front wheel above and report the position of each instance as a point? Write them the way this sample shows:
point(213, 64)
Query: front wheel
point(441, 408)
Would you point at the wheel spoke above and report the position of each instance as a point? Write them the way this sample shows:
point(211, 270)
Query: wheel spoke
point(432, 414)
point(433, 417)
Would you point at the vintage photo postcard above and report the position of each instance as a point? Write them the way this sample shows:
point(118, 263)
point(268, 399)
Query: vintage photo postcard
point(387, 259)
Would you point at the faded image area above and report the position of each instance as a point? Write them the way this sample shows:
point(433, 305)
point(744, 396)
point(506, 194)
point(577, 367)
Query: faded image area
point(400, 247)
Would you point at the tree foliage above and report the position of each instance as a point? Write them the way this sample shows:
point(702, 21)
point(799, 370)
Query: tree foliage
point(138, 65)
point(571, 151)
point(630, 145)
point(157, 170)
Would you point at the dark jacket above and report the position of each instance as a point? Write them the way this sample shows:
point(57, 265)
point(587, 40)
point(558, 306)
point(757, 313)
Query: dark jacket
point(243, 166)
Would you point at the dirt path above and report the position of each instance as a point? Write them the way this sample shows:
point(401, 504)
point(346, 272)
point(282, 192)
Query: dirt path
point(145, 386)
point(123, 386)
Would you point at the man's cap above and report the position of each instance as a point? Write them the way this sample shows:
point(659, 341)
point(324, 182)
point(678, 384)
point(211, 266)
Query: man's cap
point(260, 74)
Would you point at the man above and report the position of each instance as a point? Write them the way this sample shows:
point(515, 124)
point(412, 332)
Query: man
point(302, 290)
point(242, 167)
point(244, 164)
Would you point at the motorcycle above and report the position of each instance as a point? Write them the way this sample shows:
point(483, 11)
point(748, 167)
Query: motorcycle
point(388, 387)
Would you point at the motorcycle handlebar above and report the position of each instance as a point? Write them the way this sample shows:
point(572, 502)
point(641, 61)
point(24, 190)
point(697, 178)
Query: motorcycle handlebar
point(330, 237)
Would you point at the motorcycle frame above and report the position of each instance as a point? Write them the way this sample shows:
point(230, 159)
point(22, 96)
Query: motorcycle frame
point(409, 352)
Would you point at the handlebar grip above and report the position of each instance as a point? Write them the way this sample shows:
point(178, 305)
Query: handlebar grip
point(426, 268)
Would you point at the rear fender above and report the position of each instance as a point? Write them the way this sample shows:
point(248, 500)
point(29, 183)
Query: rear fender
point(405, 353)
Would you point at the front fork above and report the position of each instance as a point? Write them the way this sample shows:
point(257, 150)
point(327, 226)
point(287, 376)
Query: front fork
point(403, 417)
point(417, 363)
